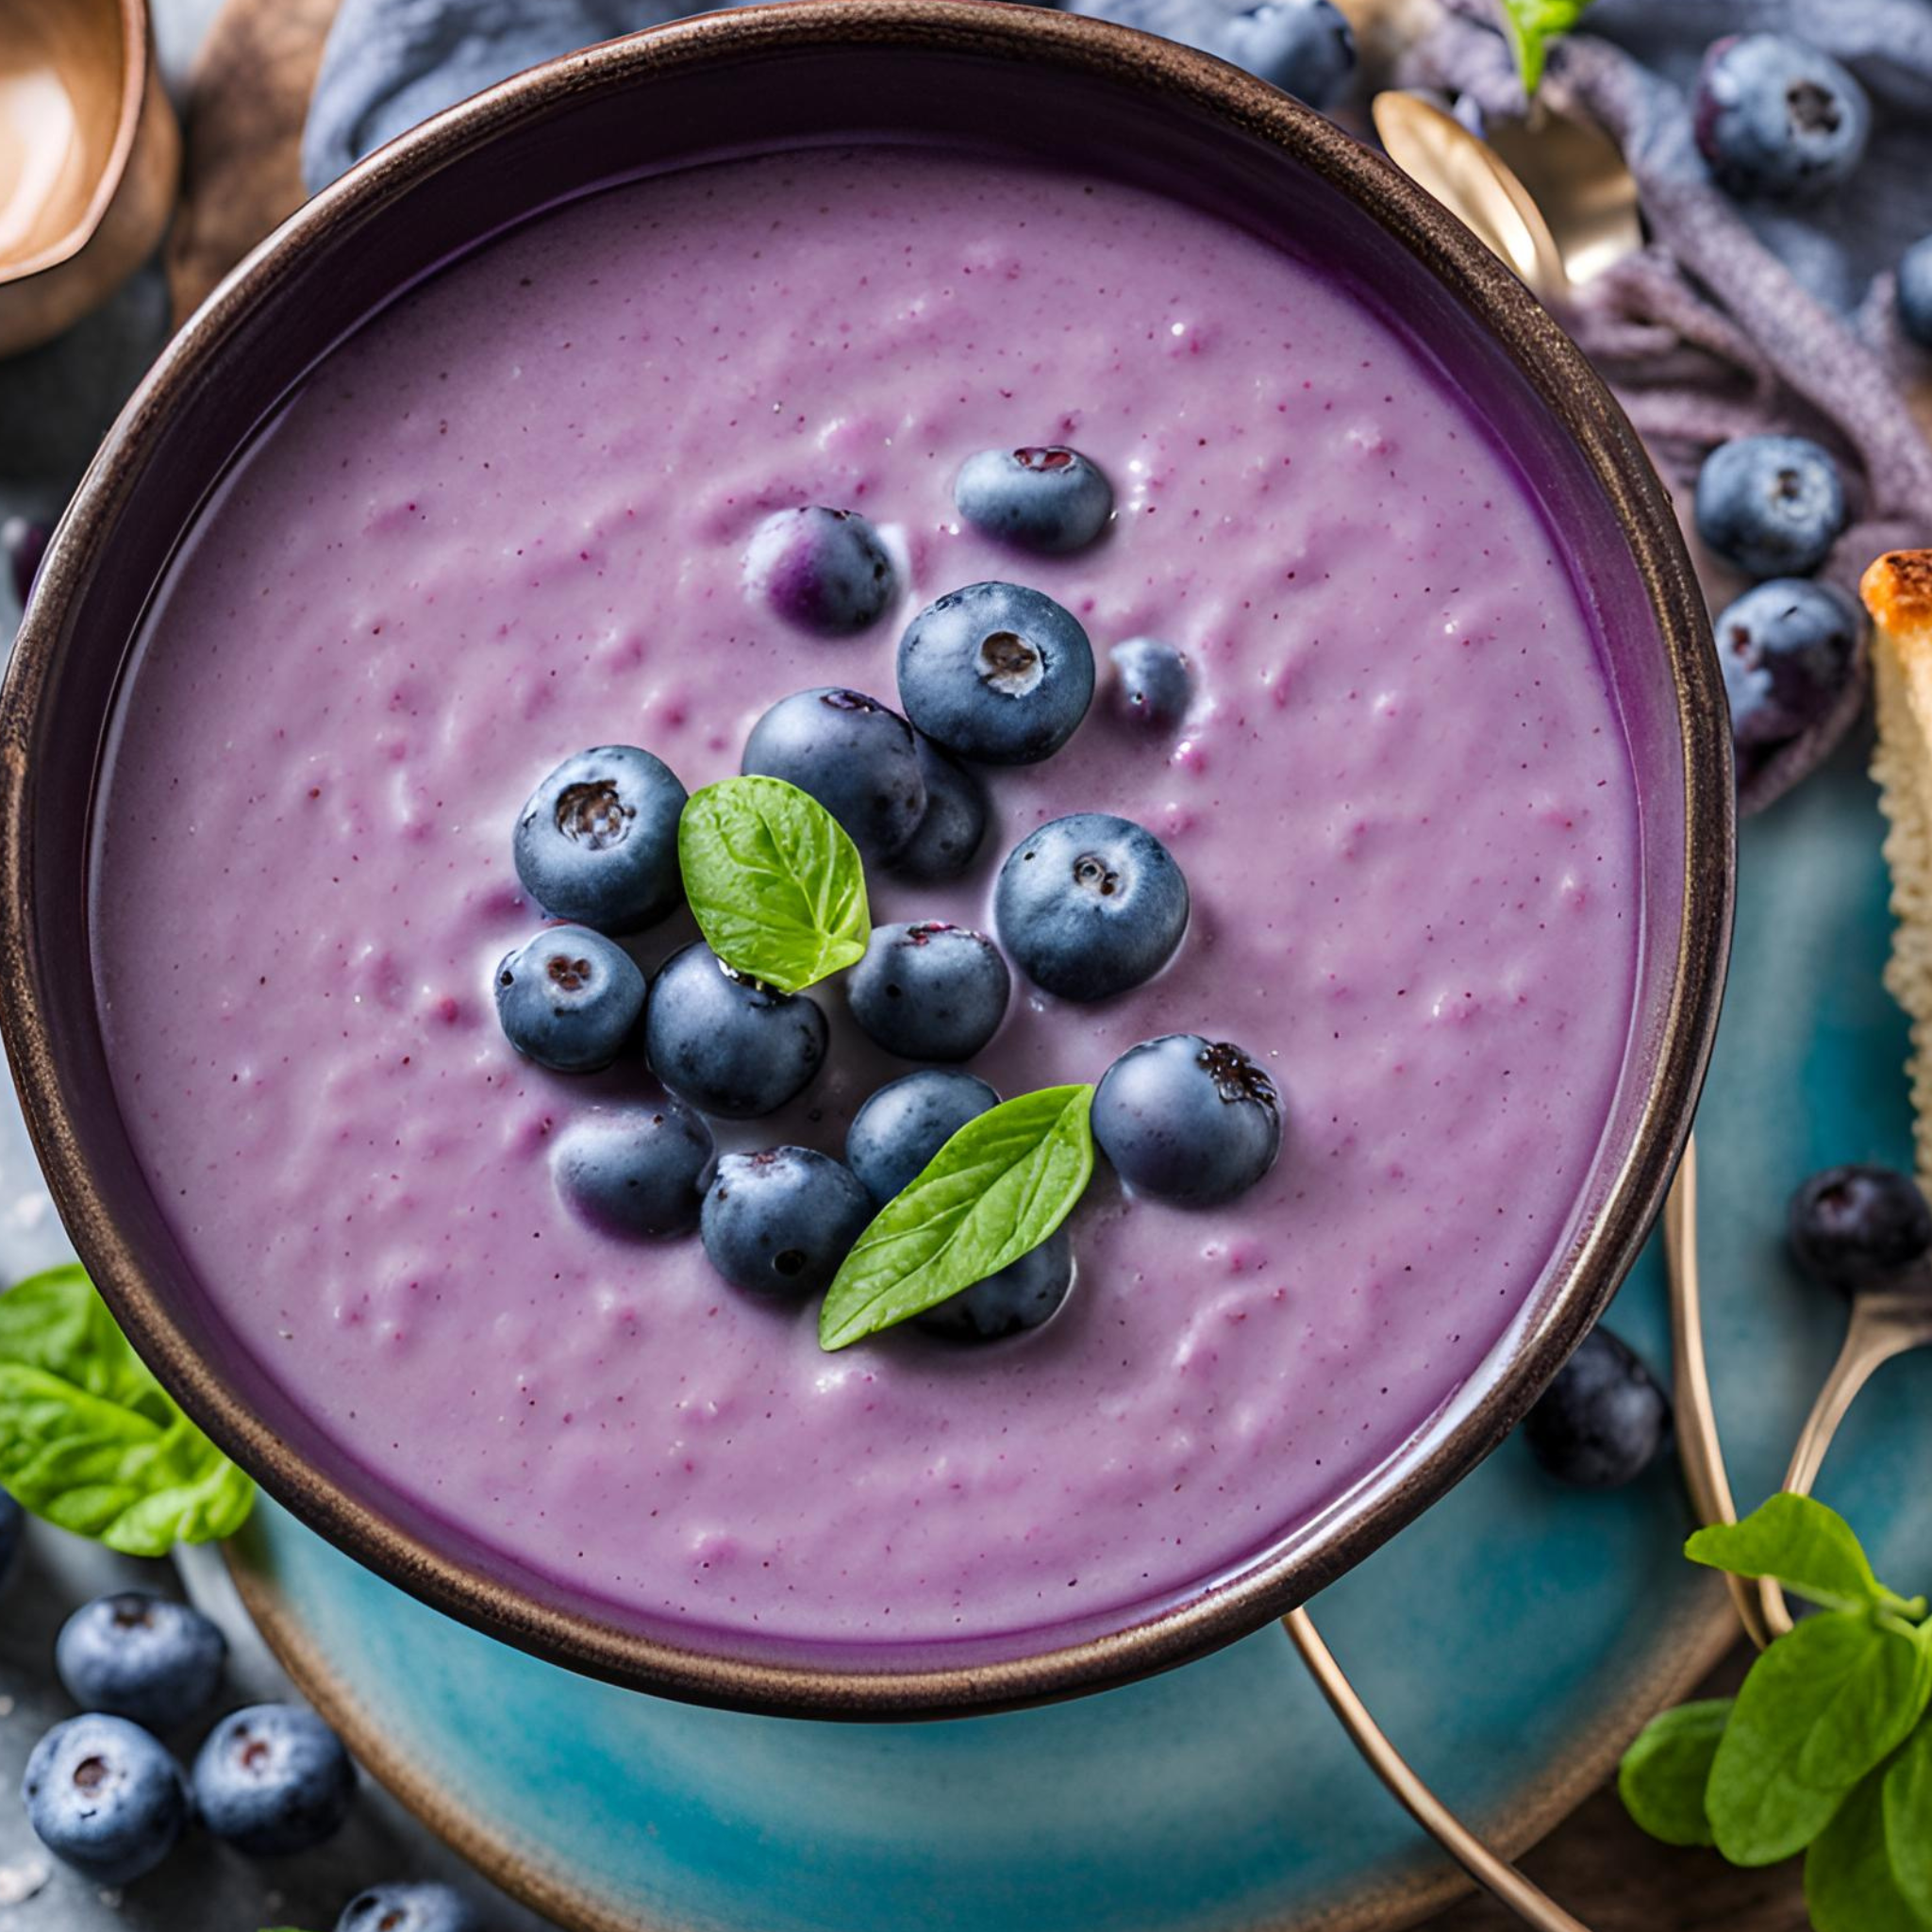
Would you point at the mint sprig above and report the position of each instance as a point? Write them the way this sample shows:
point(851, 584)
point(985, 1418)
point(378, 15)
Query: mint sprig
point(993, 1192)
point(775, 882)
point(1827, 1747)
point(1529, 25)
point(90, 1441)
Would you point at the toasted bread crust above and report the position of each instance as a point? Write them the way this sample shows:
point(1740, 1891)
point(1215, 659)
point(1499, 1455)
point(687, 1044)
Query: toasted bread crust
point(1897, 589)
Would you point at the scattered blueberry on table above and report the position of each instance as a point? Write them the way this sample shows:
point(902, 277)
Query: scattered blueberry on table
point(1772, 505)
point(927, 990)
point(638, 1170)
point(1786, 647)
point(779, 1222)
point(106, 1797)
point(729, 1046)
point(568, 998)
point(1188, 1120)
point(1090, 906)
point(1858, 1228)
point(143, 1656)
point(853, 755)
point(273, 1779)
point(823, 570)
point(1778, 117)
point(1302, 46)
point(1915, 291)
point(906, 1122)
point(597, 840)
point(996, 672)
point(409, 1909)
point(1050, 500)
point(23, 543)
point(1603, 1420)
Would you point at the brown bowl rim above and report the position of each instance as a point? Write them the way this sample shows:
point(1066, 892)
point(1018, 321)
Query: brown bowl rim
point(137, 59)
point(1557, 372)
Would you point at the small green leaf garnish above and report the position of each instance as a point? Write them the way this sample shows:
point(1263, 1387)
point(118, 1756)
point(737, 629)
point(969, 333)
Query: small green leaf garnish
point(1822, 1708)
point(1530, 25)
point(775, 882)
point(1664, 1774)
point(1909, 1822)
point(1851, 1880)
point(993, 1192)
point(1809, 1548)
point(91, 1441)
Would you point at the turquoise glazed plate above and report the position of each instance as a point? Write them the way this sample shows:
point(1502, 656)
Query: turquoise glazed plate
point(1512, 1642)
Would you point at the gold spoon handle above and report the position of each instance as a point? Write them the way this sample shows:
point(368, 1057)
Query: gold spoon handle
point(1533, 1907)
point(1698, 1444)
point(1882, 1326)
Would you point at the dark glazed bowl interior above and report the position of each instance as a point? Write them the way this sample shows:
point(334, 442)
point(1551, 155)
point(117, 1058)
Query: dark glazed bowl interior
point(948, 71)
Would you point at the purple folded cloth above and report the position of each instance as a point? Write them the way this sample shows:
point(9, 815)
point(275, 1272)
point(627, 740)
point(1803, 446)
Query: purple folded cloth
point(1736, 319)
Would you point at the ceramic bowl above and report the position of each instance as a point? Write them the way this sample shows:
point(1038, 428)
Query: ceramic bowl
point(1035, 81)
point(100, 154)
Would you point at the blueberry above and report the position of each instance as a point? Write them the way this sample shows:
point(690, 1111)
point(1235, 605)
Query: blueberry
point(637, 1170)
point(1857, 1227)
point(853, 755)
point(1188, 1120)
point(13, 1527)
point(1602, 1422)
point(1302, 46)
point(948, 836)
point(273, 1779)
point(103, 1796)
point(409, 1909)
point(1786, 647)
point(1778, 117)
point(1051, 500)
point(906, 1122)
point(1151, 683)
point(568, 998)
point(929, 990)
point(597, 840)
point(141, 1657)
point(778, 1222)
point(996, 672)
point(729, 1046)
point(823, 570)
point(1772, 505)
point(1090, 906)
point(1020, 1295)
point(1915, 291)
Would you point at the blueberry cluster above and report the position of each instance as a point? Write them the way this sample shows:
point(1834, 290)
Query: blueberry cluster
point(107, 1796)
point(1086, 907)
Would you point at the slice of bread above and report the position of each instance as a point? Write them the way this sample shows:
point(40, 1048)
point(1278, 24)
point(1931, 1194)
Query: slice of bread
point(1898, 592)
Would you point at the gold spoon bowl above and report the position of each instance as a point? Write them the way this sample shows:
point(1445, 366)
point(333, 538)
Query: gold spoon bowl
point(90, 155)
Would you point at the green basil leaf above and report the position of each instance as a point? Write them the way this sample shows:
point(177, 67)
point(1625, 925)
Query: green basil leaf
point(91, 1441)
point(1530, 25)
point(1664, 1774)
point(1849, 1881)
point(775, 882)
point(1809, 1548)
point(1909, 1820)
point(993, 1192)
point(1821, 1708)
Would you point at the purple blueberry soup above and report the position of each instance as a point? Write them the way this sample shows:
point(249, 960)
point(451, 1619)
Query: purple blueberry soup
point(720, 465)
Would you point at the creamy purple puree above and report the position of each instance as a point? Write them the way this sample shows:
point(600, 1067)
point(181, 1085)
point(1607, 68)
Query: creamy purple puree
point(505, 521)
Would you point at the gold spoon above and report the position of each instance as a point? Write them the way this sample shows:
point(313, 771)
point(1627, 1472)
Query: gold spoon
point(1549, 194)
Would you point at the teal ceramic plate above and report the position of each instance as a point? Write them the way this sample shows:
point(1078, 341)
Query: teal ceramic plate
point(1511, 1640)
